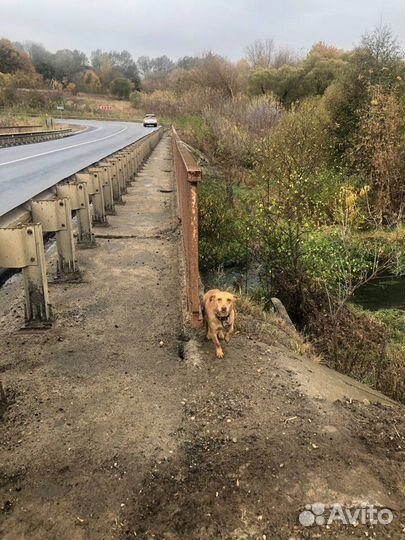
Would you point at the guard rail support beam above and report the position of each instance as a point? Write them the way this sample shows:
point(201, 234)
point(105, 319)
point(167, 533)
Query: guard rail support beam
point(116, 179)
point(125, 172)
point(23, 247)
point(95, 189)
point(103, 170)
point(79, 201)
point(56, 216)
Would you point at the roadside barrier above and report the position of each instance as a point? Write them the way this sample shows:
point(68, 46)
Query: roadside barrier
point(188, 174)
point(92, 195)
point(15, 139)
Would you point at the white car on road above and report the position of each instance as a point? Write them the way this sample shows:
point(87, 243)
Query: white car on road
point(150, 120)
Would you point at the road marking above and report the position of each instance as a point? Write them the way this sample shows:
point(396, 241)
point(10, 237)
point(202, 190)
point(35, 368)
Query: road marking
point(64, 148)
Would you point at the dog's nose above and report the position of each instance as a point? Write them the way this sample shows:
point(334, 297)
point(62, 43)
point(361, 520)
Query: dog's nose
point(223, 309)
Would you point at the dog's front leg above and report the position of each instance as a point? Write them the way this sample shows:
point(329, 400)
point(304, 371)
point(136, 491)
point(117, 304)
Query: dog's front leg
point(229, 334)
point(219, 353)
point(231, 329)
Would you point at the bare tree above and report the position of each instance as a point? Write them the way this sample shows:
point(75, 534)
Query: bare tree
point(264, 53)
point(260, 54)
point(215, 72)
point(382, 44)
point(283, 56)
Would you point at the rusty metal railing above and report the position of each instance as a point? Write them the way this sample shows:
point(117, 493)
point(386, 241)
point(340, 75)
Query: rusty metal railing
point(188, 174)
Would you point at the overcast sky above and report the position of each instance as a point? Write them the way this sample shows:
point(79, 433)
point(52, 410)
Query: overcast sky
point(188, 27)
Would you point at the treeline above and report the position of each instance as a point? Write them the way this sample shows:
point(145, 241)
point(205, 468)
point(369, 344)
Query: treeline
point(31, 65)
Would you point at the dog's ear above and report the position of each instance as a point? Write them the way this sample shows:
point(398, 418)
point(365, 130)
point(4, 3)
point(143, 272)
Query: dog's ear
point(212, 297)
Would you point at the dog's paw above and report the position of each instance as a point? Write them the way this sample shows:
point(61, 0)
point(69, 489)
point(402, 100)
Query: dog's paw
point(227, 339)
point(219, 353)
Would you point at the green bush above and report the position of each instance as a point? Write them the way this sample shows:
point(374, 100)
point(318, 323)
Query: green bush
point(135, 98)
point(121, 88)
point(221, 223)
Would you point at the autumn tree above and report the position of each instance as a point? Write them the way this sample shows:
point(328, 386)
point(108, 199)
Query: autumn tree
point(291, 83)
point(124, 64)
point(67, 64)
point(113, 64)
point(88, 81)
point(13, 60)
point(379, 155)
point(215, 72)
point(41, 58)
point(378, 60)
point(16, 68)
point(290, 170)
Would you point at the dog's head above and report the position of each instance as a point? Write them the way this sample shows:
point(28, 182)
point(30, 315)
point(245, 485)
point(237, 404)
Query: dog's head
point(222, 303)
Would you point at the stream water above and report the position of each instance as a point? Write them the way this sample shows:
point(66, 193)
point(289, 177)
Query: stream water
point(382, 293)
point(386, 292)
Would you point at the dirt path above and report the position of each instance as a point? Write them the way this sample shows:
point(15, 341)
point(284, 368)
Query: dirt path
point(111, 435)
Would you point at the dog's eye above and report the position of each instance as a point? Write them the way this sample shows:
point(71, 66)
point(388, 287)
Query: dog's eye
point(219, 299)
point(229, 300)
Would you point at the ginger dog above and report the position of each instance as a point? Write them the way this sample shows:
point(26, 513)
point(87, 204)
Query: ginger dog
point(219, 315)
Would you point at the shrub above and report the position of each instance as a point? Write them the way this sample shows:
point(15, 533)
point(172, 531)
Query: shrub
point(221, 225)
point(135, 98)
point(121, 88)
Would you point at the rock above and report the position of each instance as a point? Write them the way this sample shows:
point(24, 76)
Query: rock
point(281, 311)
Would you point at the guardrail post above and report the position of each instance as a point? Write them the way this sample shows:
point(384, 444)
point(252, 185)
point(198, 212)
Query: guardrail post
point(138, 161)
point(79, 201)
point(23, 247)
point(131, 155)
point(105, 174)
point(124, 155)
point(56, 216)
point(99, 217)
point(95, 189)
point(116, 179)
point(125, 172)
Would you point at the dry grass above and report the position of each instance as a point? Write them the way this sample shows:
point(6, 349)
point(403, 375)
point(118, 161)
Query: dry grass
point(8, 120)
point(269, 328)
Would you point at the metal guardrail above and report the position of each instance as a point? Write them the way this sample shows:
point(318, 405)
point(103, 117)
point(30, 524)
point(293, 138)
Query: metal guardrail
point(21, 230)
point(15, 139)
point(188, 174)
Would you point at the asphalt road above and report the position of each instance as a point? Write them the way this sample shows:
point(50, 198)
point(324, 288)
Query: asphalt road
point(28, 170)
